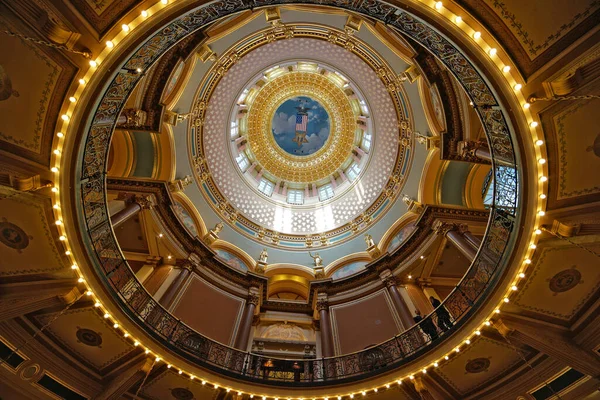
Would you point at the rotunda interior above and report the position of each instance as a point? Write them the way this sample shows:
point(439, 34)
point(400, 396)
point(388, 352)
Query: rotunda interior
point(323, 200)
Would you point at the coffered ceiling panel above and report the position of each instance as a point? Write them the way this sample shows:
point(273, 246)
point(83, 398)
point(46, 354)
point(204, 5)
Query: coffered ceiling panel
point(564, 278)
point(87, 335)
point(170, 385)
point(478, 364)
point(27, 243)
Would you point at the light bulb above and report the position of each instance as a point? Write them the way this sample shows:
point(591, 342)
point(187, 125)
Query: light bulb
point(478, 333)
point(526, 105)
point(110, 44)
point(144, 13)
point(477, 35)
point(125, 27)
point(438, 5)
point(82, 81)
point(533, 124)
point(54, 169)
point(60, 134)
point(93, 64)
point(72, 99)
point(541, 213)
point(458, 19)
point(518, 86)
point(115, 325)
point(506, 68)
point(493, 51)
point(543, 178)
point(539, 142)
point(65, 117)
point(514, 288)
point(521, 275)
point(506, 300)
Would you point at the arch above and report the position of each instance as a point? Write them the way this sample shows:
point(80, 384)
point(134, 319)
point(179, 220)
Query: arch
point(401, 223)
point(189, 215)
point(233, 255)
point(177, 81)
point(363, 257)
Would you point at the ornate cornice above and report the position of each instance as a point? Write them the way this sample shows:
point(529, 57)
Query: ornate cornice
point(205, 255)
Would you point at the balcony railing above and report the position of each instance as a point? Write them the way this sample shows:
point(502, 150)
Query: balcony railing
point(179, 338)
point(182, 339)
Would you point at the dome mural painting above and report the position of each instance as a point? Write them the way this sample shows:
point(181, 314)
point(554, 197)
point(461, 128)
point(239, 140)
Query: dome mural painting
point(300, 126)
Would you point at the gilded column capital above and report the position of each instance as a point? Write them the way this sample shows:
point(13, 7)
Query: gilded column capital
point(253, 299)
point(390, 281)
point(146, 202)
point(442, 228)
point(188, 266)
point(461, 228)
point(322, 305)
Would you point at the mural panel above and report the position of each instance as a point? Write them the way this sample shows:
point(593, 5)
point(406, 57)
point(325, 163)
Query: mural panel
point(400, 237)
point(232, 260)
point(185, 218)
point(349, 269)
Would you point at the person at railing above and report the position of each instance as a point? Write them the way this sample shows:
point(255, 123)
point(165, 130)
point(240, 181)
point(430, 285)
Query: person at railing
point(426, 325)
point(443, 317)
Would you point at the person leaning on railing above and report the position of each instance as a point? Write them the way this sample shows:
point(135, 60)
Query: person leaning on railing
point(426, 325)
point(443, 316)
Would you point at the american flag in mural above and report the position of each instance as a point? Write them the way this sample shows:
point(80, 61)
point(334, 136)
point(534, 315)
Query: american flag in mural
point(301, 121)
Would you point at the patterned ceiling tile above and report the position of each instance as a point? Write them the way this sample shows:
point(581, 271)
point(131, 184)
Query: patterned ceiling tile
point(88, 335)
point(576, 149)
point(478, 364)
point(27, 245)
point(563, 279)
point(524, 19)
point(171, 386)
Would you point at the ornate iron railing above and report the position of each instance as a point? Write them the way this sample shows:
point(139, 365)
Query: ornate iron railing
point(176, 336)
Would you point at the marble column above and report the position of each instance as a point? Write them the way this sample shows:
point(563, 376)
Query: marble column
point(243, 334)
point(326, 331)
point(403, 311)
point(474, 151)
point(129, 211)
point(167, 299)
point(456, 235)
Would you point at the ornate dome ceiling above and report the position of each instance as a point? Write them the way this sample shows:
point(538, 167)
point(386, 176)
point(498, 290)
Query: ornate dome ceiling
point(273, 195)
